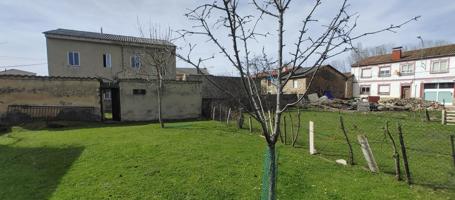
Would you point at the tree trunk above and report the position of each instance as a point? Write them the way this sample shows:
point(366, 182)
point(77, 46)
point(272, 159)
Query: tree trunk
point(395, 155)
point(351, 153)
point(405, 157)
point(272, 173)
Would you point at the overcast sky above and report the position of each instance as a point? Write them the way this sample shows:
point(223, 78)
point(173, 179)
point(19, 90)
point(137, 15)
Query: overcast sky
point(23, 21)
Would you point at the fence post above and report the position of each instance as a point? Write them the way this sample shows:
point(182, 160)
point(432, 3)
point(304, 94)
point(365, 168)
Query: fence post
point(213, 113)
point(311, 139)
point(396, 156)
point(452, 140)
point(427, 115)
point(443, 117)
point(228, 116)
point(221, 114)
point(367, 153)
point(285, 130)
point(405, 157)
point(249, 123)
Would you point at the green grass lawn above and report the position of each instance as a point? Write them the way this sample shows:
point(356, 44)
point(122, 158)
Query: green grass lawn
point(186, 160)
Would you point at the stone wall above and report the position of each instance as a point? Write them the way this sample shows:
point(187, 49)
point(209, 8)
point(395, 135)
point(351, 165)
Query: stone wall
point(180, 100)
point(49, 91)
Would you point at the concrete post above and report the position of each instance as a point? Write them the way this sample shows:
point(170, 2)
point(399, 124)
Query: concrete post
point(311, 139)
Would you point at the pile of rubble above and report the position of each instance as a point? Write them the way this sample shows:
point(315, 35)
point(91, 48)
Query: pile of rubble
point(363, 105)
point(412, 104)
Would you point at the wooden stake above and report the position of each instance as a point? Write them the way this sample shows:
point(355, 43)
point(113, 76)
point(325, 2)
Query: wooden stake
point(221, 114)
point(443, 117)
point(452, 140)
point(427, 115)
point(228, 116)
point(396, 156)
point(251, 126)
point(311, 138)
point(351, 153)
point(285, 130)
point(405, 157)
point(367, 153)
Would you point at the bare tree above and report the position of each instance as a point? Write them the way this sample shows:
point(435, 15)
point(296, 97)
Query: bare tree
point(220, 18)
point(160, 56)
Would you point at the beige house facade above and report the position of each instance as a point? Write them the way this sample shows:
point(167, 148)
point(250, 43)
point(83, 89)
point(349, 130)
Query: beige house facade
point(73, 53)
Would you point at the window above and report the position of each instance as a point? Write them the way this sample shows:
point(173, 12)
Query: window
point(365, 90)
point(139, 91)
point(107, 60)
point(440, 66)
point(407, 69)
point(135, 61)
point(366, 73)
point(295, 83)
point(384, 71)
point(107, 95)
point(73, 58)
point(384, 89)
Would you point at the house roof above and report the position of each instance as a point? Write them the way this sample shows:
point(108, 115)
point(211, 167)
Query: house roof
point(433, 52)
point(16, 72)
point(191, 71)
point(105, 37)
point(305, 71)
point(300, 72)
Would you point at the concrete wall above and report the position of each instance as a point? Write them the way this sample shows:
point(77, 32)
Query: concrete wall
point(48, 91)
point(91, 59)
point(180, 100)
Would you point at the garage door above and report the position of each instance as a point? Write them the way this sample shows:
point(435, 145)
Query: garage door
point(440, 92)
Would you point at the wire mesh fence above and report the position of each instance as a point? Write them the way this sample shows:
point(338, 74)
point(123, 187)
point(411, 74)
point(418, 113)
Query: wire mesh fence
point(428, 144)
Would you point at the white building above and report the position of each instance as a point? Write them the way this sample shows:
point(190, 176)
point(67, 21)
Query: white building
point(425, 73)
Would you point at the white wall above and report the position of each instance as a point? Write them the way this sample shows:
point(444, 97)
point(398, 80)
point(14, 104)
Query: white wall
point(422, 75)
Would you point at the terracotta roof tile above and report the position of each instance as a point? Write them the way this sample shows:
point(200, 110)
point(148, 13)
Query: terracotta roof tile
point(434, 52)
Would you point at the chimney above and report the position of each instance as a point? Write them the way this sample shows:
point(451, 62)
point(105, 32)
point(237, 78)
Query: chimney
point(396, 53)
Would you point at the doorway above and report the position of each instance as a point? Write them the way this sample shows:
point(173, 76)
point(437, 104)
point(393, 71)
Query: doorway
point(115, 96)
point(406, 92)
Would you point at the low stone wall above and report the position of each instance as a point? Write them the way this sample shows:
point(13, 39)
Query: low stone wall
point(139, 102)
point(36, 91)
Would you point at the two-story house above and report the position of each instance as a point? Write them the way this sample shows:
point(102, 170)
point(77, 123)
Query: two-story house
point(328, 79)
point(424, 73)
point(72, 53)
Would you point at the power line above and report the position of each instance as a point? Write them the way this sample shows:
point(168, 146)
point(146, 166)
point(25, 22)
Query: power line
point(19, 66)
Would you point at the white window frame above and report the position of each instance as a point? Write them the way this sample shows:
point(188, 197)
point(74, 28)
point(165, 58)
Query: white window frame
point(439, 61)
point(107, 60)
point(135, 65)
point(74, 60)
point(362, 73)
point(107, 95)
point(381, 92)
point(295, 84)
point(365, 86)
point(385, 75)
point(408, 72)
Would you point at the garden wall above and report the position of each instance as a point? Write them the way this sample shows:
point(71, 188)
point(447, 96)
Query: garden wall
point(27, 97)
point(139, 102)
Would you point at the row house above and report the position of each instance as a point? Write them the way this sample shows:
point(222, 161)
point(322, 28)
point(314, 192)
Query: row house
point(424, 73)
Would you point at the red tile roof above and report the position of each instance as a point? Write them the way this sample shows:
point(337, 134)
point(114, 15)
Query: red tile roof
point(434, 52)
